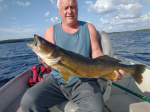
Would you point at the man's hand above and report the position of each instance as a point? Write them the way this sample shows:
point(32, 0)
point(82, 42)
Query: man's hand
point(47, 66)
point(120, 74)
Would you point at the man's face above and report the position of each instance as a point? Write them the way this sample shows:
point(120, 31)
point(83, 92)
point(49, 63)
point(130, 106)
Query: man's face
point(68, 10)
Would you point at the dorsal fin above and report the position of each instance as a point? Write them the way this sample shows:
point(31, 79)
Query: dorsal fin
point(106, 57)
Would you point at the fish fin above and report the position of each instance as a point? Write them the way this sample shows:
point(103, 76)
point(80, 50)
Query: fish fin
point(49, 55)
point(65, 76)
point(70, 70)
point(51, 62)
point(106, 57)
point(111, 76)
point(138, 73)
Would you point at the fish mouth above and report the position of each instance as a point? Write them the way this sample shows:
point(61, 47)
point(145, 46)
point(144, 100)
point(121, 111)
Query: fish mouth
point(36, 42)
point(36, 46)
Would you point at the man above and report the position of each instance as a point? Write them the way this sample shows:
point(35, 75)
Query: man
point(79, 37)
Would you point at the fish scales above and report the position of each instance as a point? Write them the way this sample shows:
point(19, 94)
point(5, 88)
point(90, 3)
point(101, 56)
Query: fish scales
point(69, 63)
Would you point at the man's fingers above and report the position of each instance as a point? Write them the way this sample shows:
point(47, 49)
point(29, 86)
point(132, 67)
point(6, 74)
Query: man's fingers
point(119, 74)
point(122, 73)
point(40, 59)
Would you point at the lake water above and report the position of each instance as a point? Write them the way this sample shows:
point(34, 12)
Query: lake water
point(15, 58)
point(132, 45)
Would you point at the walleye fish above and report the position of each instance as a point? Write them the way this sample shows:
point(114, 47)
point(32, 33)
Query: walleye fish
point(69, 63)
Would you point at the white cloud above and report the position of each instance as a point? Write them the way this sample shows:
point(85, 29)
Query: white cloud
point(46, 14)
point(23, 3)
point(124, 1)
point(101, 7)
point(146, 17)
point(13, 18)
point(119, 15)
point(104, 21)
point(110, 27)
point(132, 9)
point(52, 2)
point(1, 0)
point(118, 24)
point(16, 30)
point(54, 19)
point(2, 7)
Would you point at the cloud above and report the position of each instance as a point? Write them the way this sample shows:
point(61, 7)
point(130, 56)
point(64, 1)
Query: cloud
point(131, 9)
point(14, 29)
point(101, 7)
point(46, 14)
point(52, 2)
point(13, 18)
point(54, 19)
point(23, 3)
point(1, 0)
point(124, 1)
point(117, 24)
point(146, 17)
point(17, 32)
point(104, 21)
point(2, 7)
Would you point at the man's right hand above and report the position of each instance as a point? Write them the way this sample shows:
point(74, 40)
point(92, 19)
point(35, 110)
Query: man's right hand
point(47, 66)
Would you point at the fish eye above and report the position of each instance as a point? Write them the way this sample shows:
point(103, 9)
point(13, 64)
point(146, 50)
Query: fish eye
point(43, 42)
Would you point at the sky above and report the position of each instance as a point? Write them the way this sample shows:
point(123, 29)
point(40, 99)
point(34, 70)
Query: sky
point(24, 18)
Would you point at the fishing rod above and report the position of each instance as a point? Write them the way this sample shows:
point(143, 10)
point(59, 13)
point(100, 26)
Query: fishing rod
point(132, 92)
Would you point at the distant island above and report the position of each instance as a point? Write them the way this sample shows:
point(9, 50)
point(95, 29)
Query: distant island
point(129, 31)
point(16, 40)
point(31, 39)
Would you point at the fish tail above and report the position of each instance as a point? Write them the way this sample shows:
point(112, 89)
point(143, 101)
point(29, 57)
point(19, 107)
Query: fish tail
point(139, 69)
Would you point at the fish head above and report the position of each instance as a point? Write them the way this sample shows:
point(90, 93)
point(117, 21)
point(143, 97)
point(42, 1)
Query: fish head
point(41, 47)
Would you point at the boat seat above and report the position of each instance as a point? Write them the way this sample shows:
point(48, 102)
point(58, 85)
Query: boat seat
point(106, 47)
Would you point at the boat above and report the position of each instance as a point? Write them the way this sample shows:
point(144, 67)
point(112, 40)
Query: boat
point(116, 99)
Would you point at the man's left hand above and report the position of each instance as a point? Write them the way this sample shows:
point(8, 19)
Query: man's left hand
point(120, 74)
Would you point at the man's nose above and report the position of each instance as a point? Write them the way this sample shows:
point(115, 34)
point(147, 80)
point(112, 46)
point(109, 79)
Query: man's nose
point(69, 10)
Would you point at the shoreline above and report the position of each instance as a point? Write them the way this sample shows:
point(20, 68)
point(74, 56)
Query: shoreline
point(16, 40)
point(129, 31)
point(31, 39)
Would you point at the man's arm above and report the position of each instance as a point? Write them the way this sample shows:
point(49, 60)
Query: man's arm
point(96, 51)
point(49, 34)
point(95, 48)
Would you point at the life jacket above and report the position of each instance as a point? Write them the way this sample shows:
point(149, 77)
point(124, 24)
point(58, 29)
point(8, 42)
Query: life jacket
point(37, 72)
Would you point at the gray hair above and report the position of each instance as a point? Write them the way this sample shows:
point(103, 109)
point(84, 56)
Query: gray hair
point(58, 2)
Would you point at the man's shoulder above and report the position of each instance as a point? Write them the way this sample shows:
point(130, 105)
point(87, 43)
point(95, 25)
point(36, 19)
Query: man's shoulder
point(57, 24)
point(50, 28)
point(82, 22)
point(85, 22)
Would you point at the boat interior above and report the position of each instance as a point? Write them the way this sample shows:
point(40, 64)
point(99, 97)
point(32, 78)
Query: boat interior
point(116, 99)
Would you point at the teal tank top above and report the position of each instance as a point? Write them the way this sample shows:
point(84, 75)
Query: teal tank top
point(78, 42)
